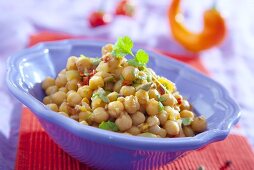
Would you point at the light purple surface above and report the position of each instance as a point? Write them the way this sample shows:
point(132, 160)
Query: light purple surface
point(28, 68)
point(231, 64)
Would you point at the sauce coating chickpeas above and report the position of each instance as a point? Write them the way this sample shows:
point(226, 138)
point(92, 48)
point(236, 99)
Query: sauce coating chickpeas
point(112, 94)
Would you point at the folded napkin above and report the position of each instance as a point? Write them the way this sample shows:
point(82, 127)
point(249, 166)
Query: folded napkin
point(37, 151)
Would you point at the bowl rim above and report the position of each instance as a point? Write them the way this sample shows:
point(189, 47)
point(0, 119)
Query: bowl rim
point(111, 138)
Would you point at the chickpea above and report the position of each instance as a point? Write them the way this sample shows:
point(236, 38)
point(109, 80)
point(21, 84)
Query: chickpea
point(131, 104)
point(84, 115)
point(153, 120)
point(117, 72)
point(97, 102)
point(127, 90)
point(199, 124)
point(74, 99)
point(142, 96)
point(109, 86)
point(51, 90)
point(71, 63)
point(112, 96)
point(142, 108)
point(69, 92)
point(153, 93)
point(83, 63)
point(103, 67)
point(100, 115)
point(83, 122)
point(178, 97)
point(149, 135)
point(58, 97)
point(63, 89)
point(138, 118)
point(63, 107)
point(172, 128)
point(107, 48)
point(74, 117)
point(47, 100)
point(185, 105)
point(118, 85)
point(53, 107)
point(187, 114)
point(156, 129)
point(124, 122)
point(63, 71)
point(129, 73)
point(64, 114)
point(47, 83)
point(72, 85)
point(172, 113)
point(115, 108)
point(102, 74)
point(85, 101)
point(121, 99)
point(72, 74)
point(85, 92)
point(96, 82)
point(168, 100)
point(114, 63)
point(152, 107)
point(61, 80)
point(163, 117)
point(177, 108)
point(188, 131)
point(134, 130)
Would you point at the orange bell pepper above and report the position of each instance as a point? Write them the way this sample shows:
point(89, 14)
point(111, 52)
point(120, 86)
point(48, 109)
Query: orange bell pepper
point(213, 33)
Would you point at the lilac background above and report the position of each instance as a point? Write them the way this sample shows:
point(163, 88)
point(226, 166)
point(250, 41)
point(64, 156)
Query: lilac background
point(231, 64)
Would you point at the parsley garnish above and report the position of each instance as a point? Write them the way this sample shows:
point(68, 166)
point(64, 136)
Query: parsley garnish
point(95, 61)
point(145, 87)
point(102, 95)
point(108, 126)
point(162, 99)
point(186, 121)
point(161, 107)
point(122, 47)
point(140, 60)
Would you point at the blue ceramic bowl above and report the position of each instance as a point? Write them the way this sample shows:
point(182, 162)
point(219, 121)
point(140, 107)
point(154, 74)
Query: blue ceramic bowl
point(109, 150)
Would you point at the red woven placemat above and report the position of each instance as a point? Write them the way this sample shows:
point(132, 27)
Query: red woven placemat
point(37, 151)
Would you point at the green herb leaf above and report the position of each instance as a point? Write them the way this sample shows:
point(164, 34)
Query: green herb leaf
point(142, 57)
point(145, 87)
point(123, 47)
point(108, 126)
point(104, 98)
point(186, 121)
point(95, 61)
point(102, 95)
point(135, 63)
point(161, 107)
point(162, 99)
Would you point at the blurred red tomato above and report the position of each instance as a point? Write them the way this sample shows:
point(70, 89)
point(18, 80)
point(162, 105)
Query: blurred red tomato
point(125, 7)
point(99, 18)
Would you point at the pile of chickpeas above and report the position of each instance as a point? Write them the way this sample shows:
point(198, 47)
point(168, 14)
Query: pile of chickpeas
point(93, 91)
